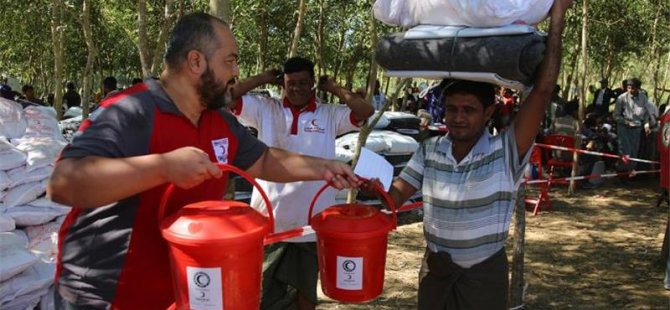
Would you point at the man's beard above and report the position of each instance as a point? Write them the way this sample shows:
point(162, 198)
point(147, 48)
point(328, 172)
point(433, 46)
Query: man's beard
point(213, 93)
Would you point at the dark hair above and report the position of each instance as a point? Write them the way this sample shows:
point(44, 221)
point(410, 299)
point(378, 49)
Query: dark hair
point(634, 82)
point(26, 88)
point(484, 92)
point(109, 83)
point(299, 64)
point(70, 85)
point(136, 81)
point(193, 31)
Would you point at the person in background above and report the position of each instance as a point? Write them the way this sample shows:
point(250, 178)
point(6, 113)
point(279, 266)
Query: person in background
point(173, 130)
point(469, 181)
point(632, 111)
point(136, 81)
point(109, 87)
point(378, 98)
point(602, 98)
point(29, 96)
point(300, 123)
point(71, 98)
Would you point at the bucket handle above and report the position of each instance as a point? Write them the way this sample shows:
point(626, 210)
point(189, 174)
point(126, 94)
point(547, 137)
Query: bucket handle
point(224, 168)
point(377, 187)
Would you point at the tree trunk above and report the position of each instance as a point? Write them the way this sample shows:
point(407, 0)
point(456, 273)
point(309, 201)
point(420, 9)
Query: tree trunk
point(220, 9)
point(143, 43)
point(90, 59)
point(263, 39)
point(573, 65)
point(516, 287)
point(168, 19)
point(321, 40)
point(339, 61)
point(653, 53)
point(582, 95)
point(298, 30)
point(365, 131)
point(57, 38)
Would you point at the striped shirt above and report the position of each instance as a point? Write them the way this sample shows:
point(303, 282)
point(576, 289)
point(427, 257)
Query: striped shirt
point(467, 205)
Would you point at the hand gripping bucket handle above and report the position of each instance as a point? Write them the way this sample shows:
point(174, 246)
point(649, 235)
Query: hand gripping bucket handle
point(224, 168)
point(377, 187)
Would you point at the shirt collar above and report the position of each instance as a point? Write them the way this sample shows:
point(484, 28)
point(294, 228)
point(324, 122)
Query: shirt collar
point(162, 100)
point(481, 147)
point(310, 107)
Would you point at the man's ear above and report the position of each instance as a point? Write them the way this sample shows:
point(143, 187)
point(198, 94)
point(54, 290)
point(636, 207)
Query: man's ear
point(196, 62)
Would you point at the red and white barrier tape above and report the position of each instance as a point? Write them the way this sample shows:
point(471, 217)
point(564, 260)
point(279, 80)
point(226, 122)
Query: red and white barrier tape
point(624, 158)
point(289, 234)
point(592, 176)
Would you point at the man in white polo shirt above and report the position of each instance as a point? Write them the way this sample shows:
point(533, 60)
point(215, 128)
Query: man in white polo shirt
point(469, 180)
point(300, 123)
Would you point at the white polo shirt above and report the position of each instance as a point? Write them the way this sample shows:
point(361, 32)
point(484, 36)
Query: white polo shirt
point(310, 131)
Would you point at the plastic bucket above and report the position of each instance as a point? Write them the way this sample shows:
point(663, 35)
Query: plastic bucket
point(351, 246)
point(216, 251)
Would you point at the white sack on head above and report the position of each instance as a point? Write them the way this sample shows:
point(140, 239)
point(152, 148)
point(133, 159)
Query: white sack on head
point(470, 13)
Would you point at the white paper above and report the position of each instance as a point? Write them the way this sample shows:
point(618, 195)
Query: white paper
point(349, 273)
point(372, 165)
point(204, 288)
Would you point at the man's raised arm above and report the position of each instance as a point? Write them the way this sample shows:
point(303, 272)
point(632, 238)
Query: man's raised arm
point(532, 110)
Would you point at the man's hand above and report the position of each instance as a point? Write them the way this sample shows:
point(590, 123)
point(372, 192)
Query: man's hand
point(339, 174)
point(274, 77)
point(327, 83)
point(187, 167)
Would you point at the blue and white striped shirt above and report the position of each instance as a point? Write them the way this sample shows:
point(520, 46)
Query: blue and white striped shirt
point(467, 205)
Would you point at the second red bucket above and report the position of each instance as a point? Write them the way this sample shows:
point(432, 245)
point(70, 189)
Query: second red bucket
point(351, 245)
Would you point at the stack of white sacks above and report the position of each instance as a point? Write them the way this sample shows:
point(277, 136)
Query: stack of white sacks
point(30, 141)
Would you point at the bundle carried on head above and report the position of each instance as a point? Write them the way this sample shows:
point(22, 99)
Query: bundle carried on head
point(491, 41)
point(469, 13)
point(507, 58)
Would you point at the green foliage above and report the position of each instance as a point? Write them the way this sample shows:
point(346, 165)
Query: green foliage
point(621, 37)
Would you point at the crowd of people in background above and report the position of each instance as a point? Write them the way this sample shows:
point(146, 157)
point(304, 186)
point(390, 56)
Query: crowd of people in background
point(621, 121)
point(71, 97)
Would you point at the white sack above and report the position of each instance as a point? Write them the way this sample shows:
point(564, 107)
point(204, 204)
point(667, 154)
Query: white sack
point(381, 141)
point(470, 13)
point(41, 122)
point(30, 216)
point(41, 151)
point(33, 280)
point(25, 302)
point(6, 223)
point(10, 156)
point(14, 256)
point(24, 193)
point(12, 123)
point(5, 181)
point(21, 175)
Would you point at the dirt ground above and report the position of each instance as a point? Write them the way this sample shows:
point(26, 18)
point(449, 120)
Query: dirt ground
point(598, 249)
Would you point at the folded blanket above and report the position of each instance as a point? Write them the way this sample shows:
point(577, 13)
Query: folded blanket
point(511, 57)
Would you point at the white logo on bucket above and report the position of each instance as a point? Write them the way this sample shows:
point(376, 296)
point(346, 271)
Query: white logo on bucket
point(349, 273)
point(204, 288)
point(221, 150)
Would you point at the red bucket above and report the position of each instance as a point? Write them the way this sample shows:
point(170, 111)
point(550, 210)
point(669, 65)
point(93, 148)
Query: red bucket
point(351, 245)
point(216, 251)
